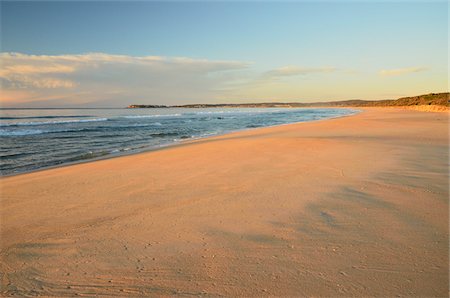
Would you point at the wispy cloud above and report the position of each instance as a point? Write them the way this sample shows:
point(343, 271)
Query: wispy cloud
point(291, 70)
point(401, 71)
point(112, 77)
point(100, 79)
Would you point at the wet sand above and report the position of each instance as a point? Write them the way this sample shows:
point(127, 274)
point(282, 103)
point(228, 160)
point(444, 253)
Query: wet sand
point(355, 206)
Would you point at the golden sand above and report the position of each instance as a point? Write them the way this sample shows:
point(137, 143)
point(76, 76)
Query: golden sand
point(355, 206)
point(428, 108)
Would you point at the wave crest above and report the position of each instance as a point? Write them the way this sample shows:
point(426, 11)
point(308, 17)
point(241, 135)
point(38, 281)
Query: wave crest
point(53, 122)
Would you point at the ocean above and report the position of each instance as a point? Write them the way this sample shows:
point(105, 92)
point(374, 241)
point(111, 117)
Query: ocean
point(32, 139)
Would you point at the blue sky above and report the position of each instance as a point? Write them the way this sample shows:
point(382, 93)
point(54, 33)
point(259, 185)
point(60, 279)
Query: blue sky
point(255, 51)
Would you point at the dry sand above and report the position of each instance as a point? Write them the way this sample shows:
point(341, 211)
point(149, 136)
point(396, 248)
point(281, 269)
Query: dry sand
point(356, 206)
point(428, 108)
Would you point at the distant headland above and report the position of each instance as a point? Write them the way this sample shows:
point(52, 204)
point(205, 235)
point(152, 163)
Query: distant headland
point(435, 99)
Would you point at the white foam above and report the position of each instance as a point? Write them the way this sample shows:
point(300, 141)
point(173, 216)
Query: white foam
point(150, 116)
point(26, 132)
point(52, 122)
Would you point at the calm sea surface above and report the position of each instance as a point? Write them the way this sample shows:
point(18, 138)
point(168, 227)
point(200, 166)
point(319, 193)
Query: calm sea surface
point(35, 139)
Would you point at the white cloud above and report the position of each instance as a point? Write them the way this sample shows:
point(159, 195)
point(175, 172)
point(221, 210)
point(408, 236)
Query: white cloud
point(401, 71)
point(295, 71)
point(105, 80)
point(115, 80)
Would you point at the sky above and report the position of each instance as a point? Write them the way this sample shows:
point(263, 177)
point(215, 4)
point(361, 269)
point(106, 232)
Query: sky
point(113, 53)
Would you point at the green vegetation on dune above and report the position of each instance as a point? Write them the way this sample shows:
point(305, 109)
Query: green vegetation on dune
point(438, 99)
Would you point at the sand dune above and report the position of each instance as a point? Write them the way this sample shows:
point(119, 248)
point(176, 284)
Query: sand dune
point(429, 108)
point(356, 206)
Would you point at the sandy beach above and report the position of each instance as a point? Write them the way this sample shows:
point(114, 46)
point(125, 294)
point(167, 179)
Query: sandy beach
point(354, 206)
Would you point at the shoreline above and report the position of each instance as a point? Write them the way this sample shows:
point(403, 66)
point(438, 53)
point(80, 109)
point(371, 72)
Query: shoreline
point(178, 143)
point(354, 206)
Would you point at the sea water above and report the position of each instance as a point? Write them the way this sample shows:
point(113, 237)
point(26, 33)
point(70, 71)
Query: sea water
point(32, 139)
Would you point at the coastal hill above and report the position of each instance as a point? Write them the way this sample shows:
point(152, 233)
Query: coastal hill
point(432, 99)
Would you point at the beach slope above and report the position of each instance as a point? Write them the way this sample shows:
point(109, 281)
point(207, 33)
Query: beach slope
point(355, 206)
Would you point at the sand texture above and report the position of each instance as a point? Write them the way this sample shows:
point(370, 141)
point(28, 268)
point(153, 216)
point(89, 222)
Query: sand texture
point(355, 206)
point(429, 108)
